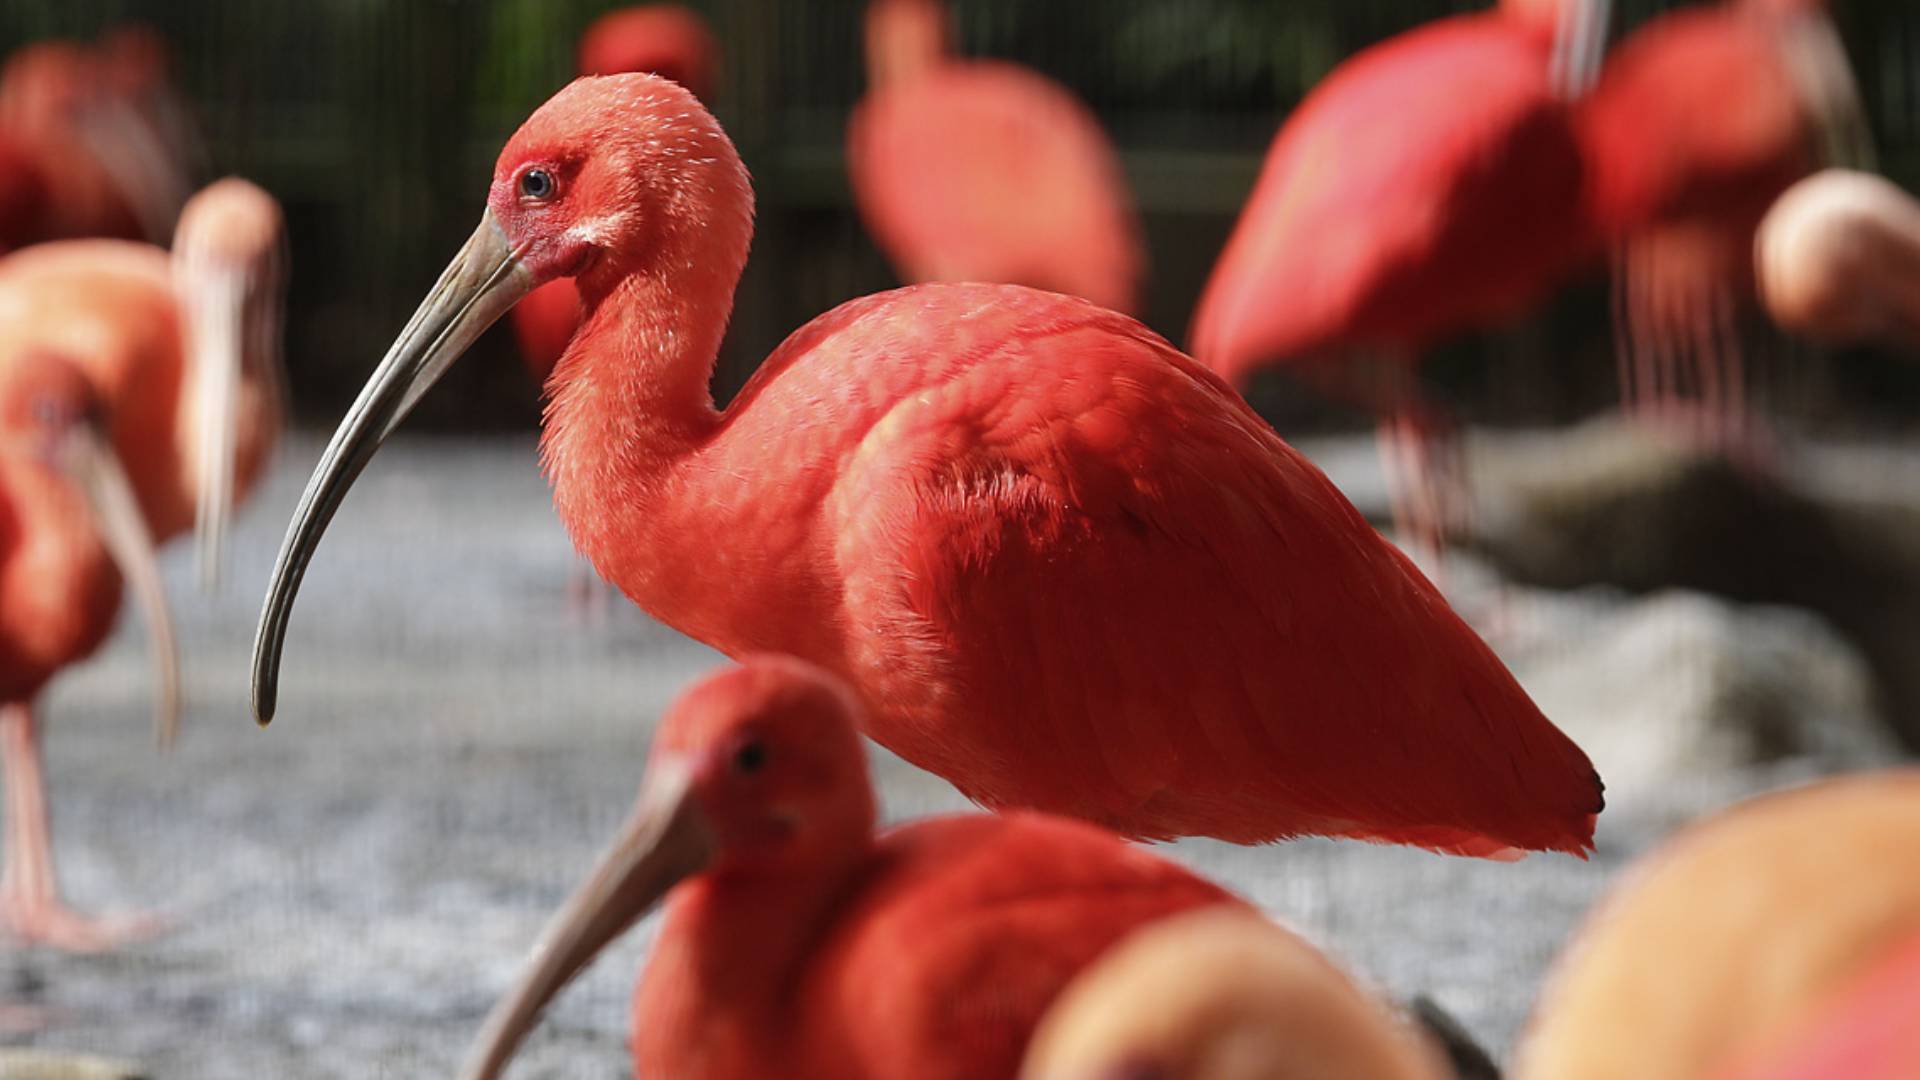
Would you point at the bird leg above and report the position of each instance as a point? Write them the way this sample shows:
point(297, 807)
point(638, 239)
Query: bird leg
point(30, 906)
point(1425, 477)
point(588, 595)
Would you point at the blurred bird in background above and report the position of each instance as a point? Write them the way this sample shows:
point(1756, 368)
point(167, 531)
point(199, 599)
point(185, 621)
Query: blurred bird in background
point(1837, 260)
point(1785, 926)
point(983, 170)
point(1429, 186)
point(96, 141)
point(70, 534)
point(185, 347)
point(1701, 118)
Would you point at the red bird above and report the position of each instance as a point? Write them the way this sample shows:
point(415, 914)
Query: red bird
point(69, 529)
point(99, 164)
point(1700, 119)
point(799, 943)
point(980, 170)
point(1429, 186)
point(185, 347)
point(1063, 565)
point(659, 39)
point(1866, 1032)
point(1837, 259)
point(1785, 930)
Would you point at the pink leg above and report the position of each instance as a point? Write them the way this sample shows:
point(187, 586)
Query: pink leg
point(587, 594)
point(1423, 473)
point(30, 906)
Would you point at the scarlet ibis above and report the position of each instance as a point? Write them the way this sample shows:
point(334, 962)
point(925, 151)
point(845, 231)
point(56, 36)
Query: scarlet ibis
point(661, 39)
point(104, 166)
point(981, 170)
point(186, 347)
point(69, 530)
point(1734, 932)
point(1700, 119)
point(1063, 565)
point(1866, 1032)
point(1430, 185)
point(797, 942)
point(1837, 259)
point(1223, 994)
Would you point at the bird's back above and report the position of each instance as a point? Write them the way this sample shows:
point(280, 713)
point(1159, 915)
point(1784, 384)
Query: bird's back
point(110, 305)
point(946, 954)
point(1074, 571)
point(1429, 185)
point(986, 171)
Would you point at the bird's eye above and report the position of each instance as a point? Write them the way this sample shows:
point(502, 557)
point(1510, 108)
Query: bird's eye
point(47, 411)
point(536, 184)
point(750, 758)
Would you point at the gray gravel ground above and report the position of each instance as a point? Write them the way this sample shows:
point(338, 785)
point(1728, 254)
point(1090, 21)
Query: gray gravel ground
point(351, 889)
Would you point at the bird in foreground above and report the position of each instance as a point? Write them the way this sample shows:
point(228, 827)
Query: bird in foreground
point(1865, 1031)
point(70, 533)
point(1224, 994)
point(185, 347)
point(1737, 932)
point(983, 170)
point(1063, 566)
point(797, 941)
point(1700, 119)
point(660, 39)
point(1837, 260)
point(1429, 186)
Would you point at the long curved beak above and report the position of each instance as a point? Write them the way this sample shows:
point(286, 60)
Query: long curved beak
point(665, 841)
point(1817, 60)
point(98, 473)
point(483, 281)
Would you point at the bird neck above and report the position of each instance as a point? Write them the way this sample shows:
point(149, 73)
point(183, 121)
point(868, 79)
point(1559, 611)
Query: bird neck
point(731, 955)
point(630, 402)
point(905, 39)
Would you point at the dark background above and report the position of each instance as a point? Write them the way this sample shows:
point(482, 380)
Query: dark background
point(376, 123)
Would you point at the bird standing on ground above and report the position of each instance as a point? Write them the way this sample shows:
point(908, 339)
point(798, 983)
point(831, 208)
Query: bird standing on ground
point(1736, 933)
point(797, 942)
point(185, 347)
point(1063, 565)
point(982, 170)
point(1700, 119)
point(69, 531)
point(1429, 186)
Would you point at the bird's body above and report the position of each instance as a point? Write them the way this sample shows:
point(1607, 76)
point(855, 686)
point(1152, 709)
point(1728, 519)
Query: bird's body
point(1224, 994)
point(1062, 564)
point(1429, 186)
point(1424, 188)
point(796, 941)
point(184, 346)
point(1837, 260)
point(68, 529)
point(977, 170)
point(941, 944)
point(1866, 1031)
point(1735, 934)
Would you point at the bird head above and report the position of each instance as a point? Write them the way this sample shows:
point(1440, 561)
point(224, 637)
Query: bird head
point(52, 419)
point(667, 40)
point(615, 179)
point(754, 770)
